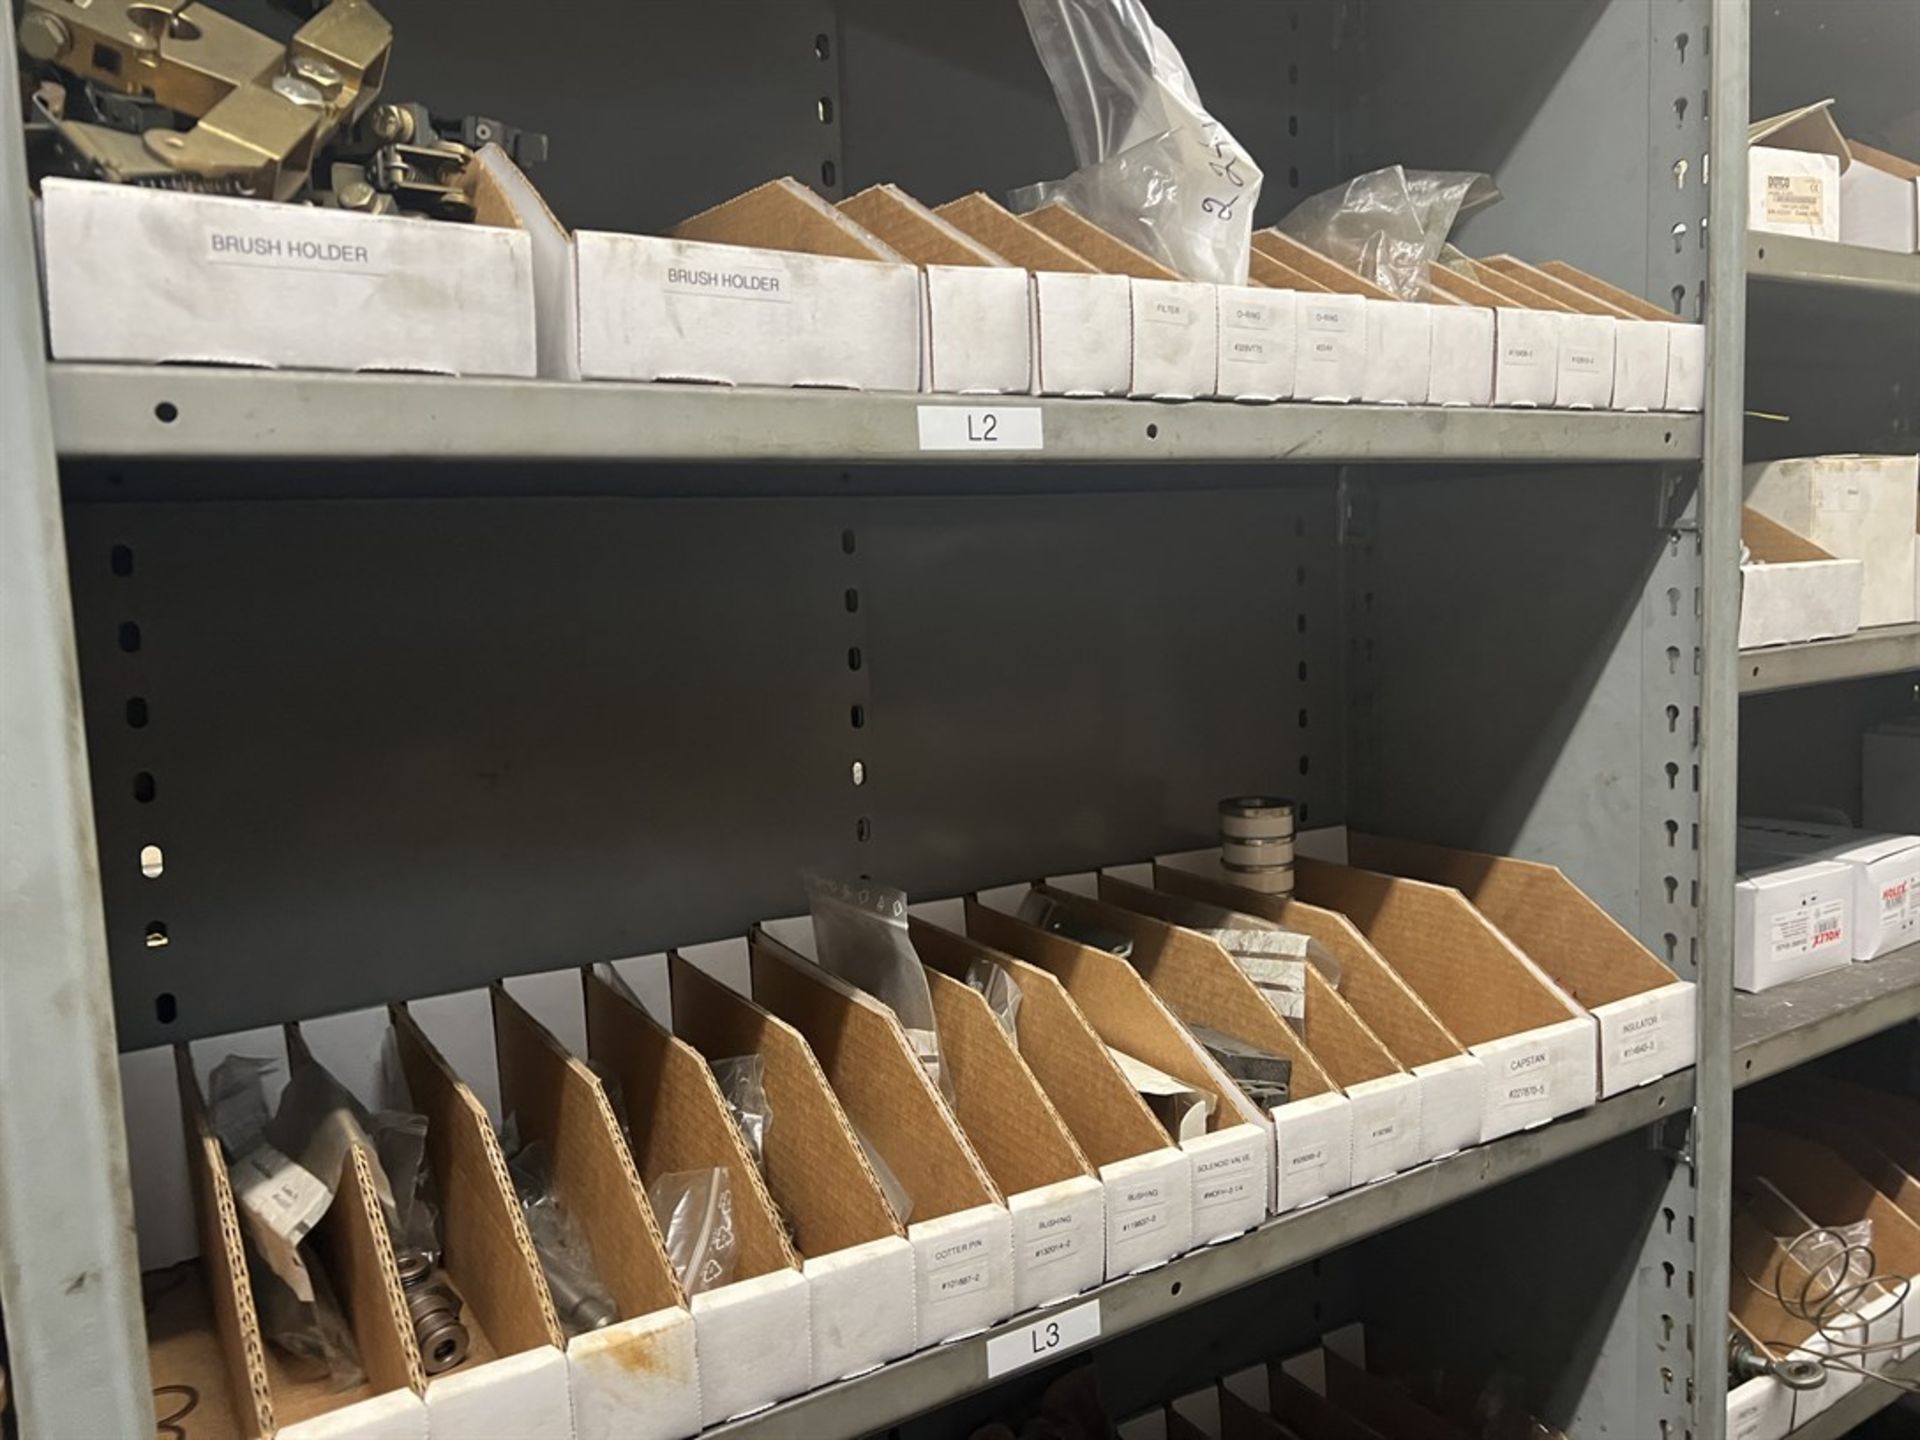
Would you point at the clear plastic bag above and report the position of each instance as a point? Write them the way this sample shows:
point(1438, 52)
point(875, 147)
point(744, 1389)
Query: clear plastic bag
point(1155, 168)
point(860, 934)
point(695, 1211)
point(898, 1200)
point(1389, 225)
point(742, 1081)
point(1001, 991)
point(579, 1299)
point(1276, 961)
point(313, 1331)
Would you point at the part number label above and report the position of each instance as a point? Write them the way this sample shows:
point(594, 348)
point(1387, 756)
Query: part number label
point(1043, 1339)
point(957, 427)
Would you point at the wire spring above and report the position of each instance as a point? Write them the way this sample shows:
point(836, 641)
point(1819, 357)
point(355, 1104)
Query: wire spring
point(1840, 1272)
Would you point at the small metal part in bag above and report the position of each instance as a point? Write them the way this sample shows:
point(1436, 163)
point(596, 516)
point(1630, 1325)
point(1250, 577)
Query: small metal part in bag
point(1265, 1077)
point(579, 1309)
point(434, 1310)
point(1050, 915)
point(1746, 1361)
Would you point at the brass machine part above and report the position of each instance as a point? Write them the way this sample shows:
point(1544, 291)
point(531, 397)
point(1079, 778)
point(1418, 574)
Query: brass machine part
point(434, 1310)
point(263, 111)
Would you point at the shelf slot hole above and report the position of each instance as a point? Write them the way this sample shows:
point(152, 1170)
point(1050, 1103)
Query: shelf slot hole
point(153, 861)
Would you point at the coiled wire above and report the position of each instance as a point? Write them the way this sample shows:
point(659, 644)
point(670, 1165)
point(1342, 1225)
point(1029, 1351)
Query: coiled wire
point(1825, 1298)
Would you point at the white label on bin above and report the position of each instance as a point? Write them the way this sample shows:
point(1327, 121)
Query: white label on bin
point(956, 1281)
point(1311, 1158)
point(1054, 1238)
point(1640, 1039)
point(1164, 311)
point(289, 252)
point(1243, 316)
point(1794, 199)
point(1247, 352)
point(1321, 317)
point(994, 427)
point(1528, 1079)
point(1524, 356)
point(1222, 1180)
point(1043, 1339)
point(1584, 360)
point(1142, 1211)
point(766, 283)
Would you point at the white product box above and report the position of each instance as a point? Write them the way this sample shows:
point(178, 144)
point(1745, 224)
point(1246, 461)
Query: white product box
point(1583, 377)
point(1794, 162)
point(1885, 871)
point(165, 277)
point(1332, 347)
point(1760, 1409)
point(1526, 364)
point(1463, 345)
point(1399, 353)
point(1890, 776)
point(1790, 921)
point(1855, 507)
point(1640, 359)
point(1792, 590)
point(644, 307)
point(1686, 366)
point(1880, 201)
point(1176, 340)
point(1258, 336)
point(1083, 333)
point(979, 327)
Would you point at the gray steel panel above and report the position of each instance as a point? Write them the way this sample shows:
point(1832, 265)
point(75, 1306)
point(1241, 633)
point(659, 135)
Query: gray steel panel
point(116, 412)
point(932, 1377)
point(1882, 650)
point(1792, 1024)
point(69, 1278)
point(1794, 260)
point(1065, 682)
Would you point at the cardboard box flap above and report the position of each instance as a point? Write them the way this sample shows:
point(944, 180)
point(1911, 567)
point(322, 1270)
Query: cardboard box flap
point(1107, 253)
point(1811, 128)
point(1327, 273)
point(677, 1120)
point(1830, 1191)
point(816, 1172)
point(1456, 286)
point(1570, 297)
point(786, 215)
point(914, 231)
point(229, 1285)
point(1790, 1109)
point(1010, 237)
point(1103, 1114)
point(488, 1252)
point(1337, 1041)
point(881, 1084)
point(554, 1098)
point(1537, 907)
point(1771, 543)
point(1263, 269)
point(1383, 1405)
point(1123, 1010)
point(1624, 301)
point(1756, 1257)
point(1474, 979)
point(1409, 1028)
point(1895, 165)
point(1201, 984)
point(1011, 1124)
point(1515, 292)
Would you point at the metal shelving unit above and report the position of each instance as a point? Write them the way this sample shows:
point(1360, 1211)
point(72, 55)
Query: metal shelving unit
point(1785, 260)
point(442, 680)
point(1792, 1024)
point(1883, 650)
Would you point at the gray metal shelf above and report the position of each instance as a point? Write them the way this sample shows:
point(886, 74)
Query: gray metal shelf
point(922, 1382)
point(1858, 1407)
point(1883, 650)
point(1792, 1024)
point(139, 412)
point(1796, 260)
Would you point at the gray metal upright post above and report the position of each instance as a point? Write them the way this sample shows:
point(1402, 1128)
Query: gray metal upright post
point(1726, 320)
point(69, 1272)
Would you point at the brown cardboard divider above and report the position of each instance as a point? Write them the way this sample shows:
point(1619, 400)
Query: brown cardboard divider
point(1328, 273)
point(1562, 292)
point(1242, 1420)
point(1382, 1405)
point(1341, 1044)
point(1829, 1190)
point(1124, 1010)
point(1109, 1122)
point(816, 1174)
point(879, 1081)
point(1008, 236)
point(1263, 269)
point(1514, 291)
point(352, 1241)
point(1771, 543)
point(1467, 290)
point(1312, 1416)
point(1392, 1009)
point(1002, 1110)
point(677, 1120)
point(1478, 984)
point(1103, 251)
point(202, 1328)
point(785, 215)
point(1759, 1314)
point(554, 1099)
point(1625, 301)
point(1841, 1130)
point(913, 231)
point(487, 1252)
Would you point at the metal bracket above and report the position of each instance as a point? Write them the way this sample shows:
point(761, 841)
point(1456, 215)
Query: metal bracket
point(1673, 1138)
point(1355, 504)
point(1679, 498)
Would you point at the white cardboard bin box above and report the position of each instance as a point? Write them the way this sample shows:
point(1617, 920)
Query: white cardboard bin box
point(1855, 507)
point(1790, 921)
point(1885, 871)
